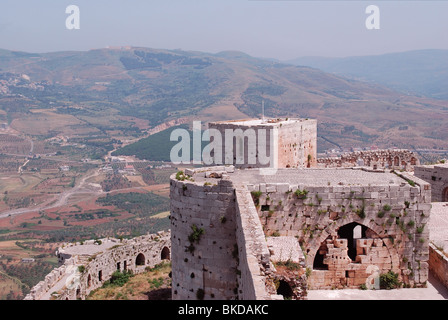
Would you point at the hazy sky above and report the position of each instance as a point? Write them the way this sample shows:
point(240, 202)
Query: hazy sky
point(276, 29)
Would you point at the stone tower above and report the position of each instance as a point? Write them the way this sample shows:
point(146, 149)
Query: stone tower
point(275, 143)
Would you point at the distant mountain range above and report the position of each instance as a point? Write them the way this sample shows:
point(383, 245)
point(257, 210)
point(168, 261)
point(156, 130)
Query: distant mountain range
point(422, 72)
point(102, 89)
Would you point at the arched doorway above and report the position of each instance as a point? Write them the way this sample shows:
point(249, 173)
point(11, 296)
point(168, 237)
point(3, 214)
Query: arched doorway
point(321, 253)
point(140, 260)
point(89, 280)
point(285, 289)
point(165, 255)
point(352, 232)
point(445, 195)
point(342, 258)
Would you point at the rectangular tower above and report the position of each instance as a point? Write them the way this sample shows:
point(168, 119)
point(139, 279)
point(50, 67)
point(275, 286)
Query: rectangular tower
point(258, 143)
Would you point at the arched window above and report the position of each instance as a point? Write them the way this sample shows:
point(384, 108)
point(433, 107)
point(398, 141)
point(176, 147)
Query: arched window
point(357, 232)
point(165, 255)
point(318, 263)
point(89, 280)
point(445, 195)
point(140, 260)
point(351, 232)
point(284, 289)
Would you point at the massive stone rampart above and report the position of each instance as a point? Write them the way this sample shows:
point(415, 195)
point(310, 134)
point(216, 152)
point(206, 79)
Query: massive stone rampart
point(85, 267)
point(392, 220)
point(204, 246)
point(242, 209)
point(253, 252)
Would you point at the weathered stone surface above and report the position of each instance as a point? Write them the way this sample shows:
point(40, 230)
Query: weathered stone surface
point(375, 159)
point(99, 262)
point(332, 200)
point(437, 176)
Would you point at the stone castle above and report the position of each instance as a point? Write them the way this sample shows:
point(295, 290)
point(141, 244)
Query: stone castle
point(342, 222)
point(247, 231)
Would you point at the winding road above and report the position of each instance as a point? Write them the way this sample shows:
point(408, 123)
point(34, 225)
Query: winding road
point(59, 199)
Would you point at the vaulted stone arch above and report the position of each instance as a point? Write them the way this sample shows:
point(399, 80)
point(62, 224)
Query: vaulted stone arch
point(165, 254)
point(337, 237)
point(140, 260)
point(332, 229)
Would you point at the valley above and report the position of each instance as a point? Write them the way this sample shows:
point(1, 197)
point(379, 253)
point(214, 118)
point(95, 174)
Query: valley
point(83, 136)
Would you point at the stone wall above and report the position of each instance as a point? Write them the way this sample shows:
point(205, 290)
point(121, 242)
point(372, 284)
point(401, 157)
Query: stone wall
point(204, 262)
point(67, 282)
point(229, 257)
point(253, 254)
point(51, 279)
point(237, 213)
point(377, 159)
point(393, 219)
point(438, 264)
point(290, 143)
point(297, 146)
point(437, 176)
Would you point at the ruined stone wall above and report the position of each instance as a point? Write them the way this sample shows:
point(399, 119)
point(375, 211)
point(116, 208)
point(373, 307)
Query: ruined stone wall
point(51, 279)
point(230, 258)
point(391, 217)
point(69, 283)
point(263, 144)
point(377, 159)
point(438, 263)
point(204, 259)
point(394, 219)
point(437, 176)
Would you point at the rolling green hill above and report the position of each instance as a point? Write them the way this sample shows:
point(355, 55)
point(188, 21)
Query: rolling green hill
point(156, 147)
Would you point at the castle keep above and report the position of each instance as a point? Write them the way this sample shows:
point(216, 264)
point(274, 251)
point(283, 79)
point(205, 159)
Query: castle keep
point(238, 233)
point(288, 143)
